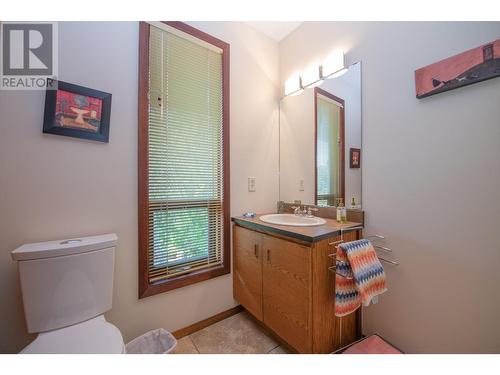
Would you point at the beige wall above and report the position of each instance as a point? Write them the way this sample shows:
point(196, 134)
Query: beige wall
point(55, 187)
point(431, 180)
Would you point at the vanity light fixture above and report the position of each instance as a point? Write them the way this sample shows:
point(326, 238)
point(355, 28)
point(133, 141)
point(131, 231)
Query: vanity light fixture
point(311, 77)
point(293, 85)
point(334, 65)
point(314, 74)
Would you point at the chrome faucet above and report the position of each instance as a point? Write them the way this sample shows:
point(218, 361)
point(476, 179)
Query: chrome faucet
point(297, 211)
point(309, 211)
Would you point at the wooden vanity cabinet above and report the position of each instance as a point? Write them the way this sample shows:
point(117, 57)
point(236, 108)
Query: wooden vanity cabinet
point(287, 285)
point(247, 270)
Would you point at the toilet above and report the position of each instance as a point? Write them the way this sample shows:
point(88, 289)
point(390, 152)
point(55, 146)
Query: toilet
point(67, 286)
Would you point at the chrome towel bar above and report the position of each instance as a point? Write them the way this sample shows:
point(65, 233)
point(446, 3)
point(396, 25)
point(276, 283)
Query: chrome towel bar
point(349, 276)
point(383, 248)
point(334, 270)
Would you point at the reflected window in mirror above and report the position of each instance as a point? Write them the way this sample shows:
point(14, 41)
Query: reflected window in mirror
point(330, 149)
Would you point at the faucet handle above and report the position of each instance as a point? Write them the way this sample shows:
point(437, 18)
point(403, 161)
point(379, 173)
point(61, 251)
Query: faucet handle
point(296, 209)
point(309, 211)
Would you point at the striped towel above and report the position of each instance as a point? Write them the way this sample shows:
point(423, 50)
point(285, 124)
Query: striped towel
point(366, 278)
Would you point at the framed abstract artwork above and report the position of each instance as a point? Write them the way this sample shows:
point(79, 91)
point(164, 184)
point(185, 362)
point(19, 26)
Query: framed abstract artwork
point(77, 111)
point(472, 66)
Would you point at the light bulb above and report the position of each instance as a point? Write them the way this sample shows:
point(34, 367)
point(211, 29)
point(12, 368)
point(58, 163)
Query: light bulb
point(292, 84)
point(311, 76)
point(333, 64)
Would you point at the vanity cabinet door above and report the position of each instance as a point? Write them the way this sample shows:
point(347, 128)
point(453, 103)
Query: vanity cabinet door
point(247, 269)
point(287, 291)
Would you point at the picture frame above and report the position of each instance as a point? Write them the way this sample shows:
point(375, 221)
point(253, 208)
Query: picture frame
point(354, 158)
point(77, 111)
point(469, 67)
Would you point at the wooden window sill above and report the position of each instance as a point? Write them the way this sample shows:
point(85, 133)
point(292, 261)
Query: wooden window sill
point(184, 280)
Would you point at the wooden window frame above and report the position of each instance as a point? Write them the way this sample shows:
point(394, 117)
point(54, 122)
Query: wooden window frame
point(146, 288)
point(318, 91)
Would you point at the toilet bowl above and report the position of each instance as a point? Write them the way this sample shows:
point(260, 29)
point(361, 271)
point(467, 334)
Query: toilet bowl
point(94, 336)
point(66, 287)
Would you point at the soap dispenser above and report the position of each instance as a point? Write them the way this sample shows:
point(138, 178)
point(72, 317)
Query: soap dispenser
point(353, 203)
point(341, 211)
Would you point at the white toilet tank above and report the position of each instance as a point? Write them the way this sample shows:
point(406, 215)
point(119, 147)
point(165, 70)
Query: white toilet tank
point(66, 282)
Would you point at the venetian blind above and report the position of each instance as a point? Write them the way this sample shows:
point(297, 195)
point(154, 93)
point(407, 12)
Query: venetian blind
point(185, 156)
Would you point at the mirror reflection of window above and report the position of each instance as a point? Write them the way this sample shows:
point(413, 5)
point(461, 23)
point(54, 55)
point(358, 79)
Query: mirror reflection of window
point(329, 148)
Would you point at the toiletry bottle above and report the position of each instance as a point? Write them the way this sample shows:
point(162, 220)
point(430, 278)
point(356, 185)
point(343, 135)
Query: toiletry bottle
point(344, 214)
point(340, 210)
point(353, 202)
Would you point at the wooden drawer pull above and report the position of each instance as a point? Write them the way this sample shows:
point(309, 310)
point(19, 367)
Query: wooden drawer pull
point(255, 250)
point(268, 255)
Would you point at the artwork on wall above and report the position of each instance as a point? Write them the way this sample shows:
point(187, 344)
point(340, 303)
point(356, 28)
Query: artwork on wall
point(475, 65)
point(354, 158)
point(77, 111)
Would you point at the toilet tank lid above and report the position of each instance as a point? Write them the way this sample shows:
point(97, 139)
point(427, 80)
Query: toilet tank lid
point(71, 246)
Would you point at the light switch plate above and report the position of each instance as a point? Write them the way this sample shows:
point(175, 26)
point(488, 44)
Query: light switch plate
point(251, 184)
point(301, 184)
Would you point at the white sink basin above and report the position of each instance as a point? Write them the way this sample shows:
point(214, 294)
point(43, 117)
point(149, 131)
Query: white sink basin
point(292, 220)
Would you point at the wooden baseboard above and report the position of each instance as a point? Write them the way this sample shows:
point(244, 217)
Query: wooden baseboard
point(206, 322)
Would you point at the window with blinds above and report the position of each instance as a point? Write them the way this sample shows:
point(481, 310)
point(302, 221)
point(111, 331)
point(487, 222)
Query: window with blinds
point(186, 156)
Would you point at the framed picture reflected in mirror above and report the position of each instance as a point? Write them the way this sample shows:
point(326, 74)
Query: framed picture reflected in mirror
point(354, 158)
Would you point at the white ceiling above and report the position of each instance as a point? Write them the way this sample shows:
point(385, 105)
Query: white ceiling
point(276, 30)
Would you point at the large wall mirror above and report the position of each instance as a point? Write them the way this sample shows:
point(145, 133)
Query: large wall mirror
point(320, 142)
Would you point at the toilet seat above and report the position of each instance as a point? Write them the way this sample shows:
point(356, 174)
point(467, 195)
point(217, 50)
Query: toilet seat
point(94, 336)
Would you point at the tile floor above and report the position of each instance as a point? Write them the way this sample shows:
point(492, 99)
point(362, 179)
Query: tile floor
point(238, 334)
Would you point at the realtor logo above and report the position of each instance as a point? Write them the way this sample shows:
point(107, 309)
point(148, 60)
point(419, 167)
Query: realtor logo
point(29, 55)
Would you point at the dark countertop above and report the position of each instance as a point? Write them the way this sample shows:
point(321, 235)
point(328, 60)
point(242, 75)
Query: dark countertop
point(306, 234)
